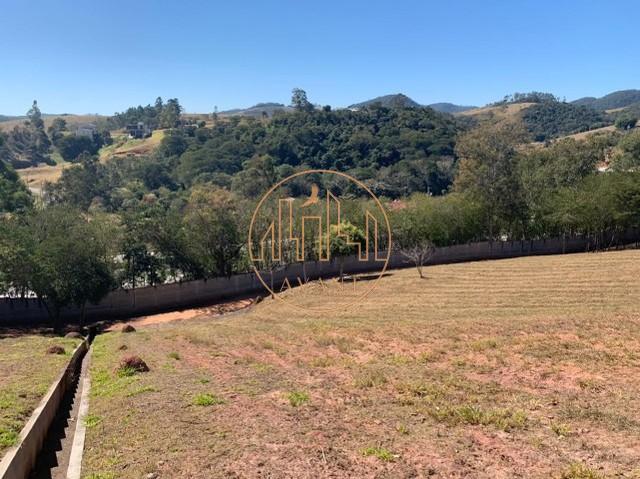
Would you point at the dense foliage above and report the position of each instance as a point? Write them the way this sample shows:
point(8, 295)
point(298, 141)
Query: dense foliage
point(618, 99)
point(397, 151)
point(158, 115)
point(14, 195)
point(551, 119)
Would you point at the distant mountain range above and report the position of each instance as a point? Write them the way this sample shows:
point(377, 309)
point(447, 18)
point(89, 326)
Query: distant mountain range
point(629, 100)
point(612, 101)
point(403, 101)
point(258, 110)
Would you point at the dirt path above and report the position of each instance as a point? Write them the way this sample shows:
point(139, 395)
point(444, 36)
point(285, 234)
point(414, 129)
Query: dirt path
point(183, 315)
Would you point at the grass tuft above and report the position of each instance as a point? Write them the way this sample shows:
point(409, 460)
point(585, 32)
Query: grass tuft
point(297, 398)
point(92, 420)
point(8, 438)
point(379, 452)
point(577, 470)
point(206, 399)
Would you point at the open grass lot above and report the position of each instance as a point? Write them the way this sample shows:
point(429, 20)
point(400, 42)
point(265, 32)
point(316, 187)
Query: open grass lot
point(35, 177)
point(514, 368)
point(26, 373)
point(123, 145)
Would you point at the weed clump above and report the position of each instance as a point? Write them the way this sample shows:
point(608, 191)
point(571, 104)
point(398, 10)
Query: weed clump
point(379, 452)
point(207, 399)
point(8, 438)
point(297, 398)
point(578, 470)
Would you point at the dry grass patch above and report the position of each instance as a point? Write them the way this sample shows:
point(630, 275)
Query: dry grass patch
point(512, 368)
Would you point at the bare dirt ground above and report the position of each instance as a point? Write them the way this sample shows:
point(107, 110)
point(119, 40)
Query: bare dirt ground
point(208, 311)
point(520, 368)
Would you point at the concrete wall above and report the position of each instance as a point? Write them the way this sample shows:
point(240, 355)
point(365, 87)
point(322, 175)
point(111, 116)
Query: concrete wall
point(19, 460)
point(168, 297)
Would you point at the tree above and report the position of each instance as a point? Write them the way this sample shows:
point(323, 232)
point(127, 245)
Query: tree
point(171, 114)
point(257, 176)
point(71, 147)
point(60, 255)
point(419, 253)
point(79, 185)
point(14, 195)
point(626, 122)
point(344, 244)
point(487, 170)
point(40, 145)
point(299, 100)
point(214, 237)
point(627, 154)
point(412, 235)
point(55, 131)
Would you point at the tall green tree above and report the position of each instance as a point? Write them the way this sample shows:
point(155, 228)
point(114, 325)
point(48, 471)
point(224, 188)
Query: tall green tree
point(487, 169)
point(58, 254)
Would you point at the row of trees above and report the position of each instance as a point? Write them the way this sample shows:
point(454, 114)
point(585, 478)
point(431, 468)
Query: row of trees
point(158, 115)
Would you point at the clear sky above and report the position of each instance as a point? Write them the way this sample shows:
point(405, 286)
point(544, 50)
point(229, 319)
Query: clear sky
point(103, 56)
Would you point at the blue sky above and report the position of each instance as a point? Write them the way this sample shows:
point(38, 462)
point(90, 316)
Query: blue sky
point(100, 57)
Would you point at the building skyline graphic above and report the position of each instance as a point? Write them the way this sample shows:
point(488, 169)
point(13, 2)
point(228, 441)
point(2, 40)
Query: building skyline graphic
point(281, 235)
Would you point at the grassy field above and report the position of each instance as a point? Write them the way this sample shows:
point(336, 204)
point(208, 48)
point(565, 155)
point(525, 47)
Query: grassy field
point(35, 177)
point(499, 369)
point(26, 373)
point(123, 145)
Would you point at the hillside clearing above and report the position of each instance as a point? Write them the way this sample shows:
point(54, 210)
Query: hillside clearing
point(512, 368)
point(123, 145)
point(35, 177)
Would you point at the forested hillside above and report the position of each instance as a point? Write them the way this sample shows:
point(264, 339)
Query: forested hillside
point(398, 150)
point(612, 101)
point(551, 119)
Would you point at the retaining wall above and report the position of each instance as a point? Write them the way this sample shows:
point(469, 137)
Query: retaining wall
point(141, 301)
point(19, 460)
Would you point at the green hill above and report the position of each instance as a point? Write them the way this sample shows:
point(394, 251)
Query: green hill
point(450, 107)
point(612, 101)
point(399, 100)
point(257, 110)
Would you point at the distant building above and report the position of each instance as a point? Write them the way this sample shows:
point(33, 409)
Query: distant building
point(138, 130)
point(87, 129)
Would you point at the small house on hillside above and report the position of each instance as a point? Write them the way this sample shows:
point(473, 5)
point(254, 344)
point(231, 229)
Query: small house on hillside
point(138, 130)
point(86, 129)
